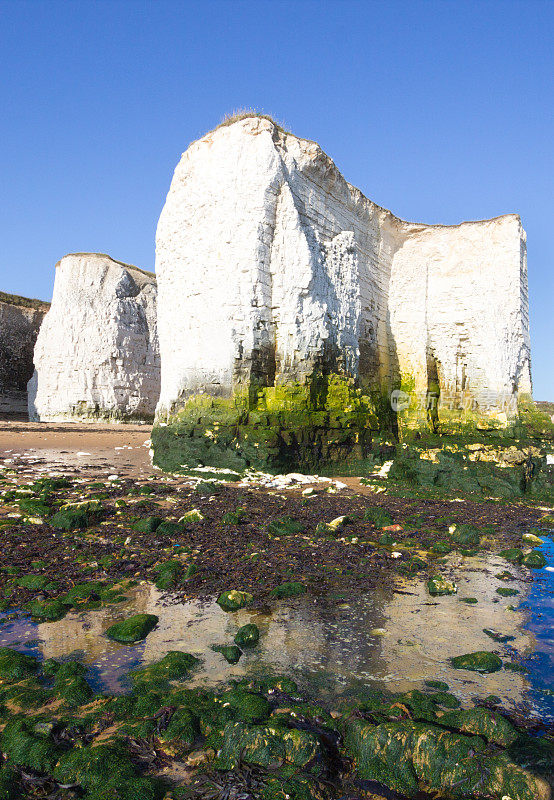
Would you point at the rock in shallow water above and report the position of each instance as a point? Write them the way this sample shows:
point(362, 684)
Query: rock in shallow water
point(132, 629)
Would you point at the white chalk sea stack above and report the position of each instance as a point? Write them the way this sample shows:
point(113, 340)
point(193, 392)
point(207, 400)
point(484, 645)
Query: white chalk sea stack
point(97, 354)
point(273, 272)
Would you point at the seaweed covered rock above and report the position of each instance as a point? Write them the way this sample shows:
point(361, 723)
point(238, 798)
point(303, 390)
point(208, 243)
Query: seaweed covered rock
point(441, 586)
point(173, 665)
point(410, 757)
point(285, 526)
point(230, 652)
point(15, 665)
point(233, 600)
point(482, 722)
point(290, 589)
point(535, 560)
point(133, 629)
point(24, 747)
point(247, 706)
point(480, 661)
point(169, 574)
point(248, 635)
point(105, 771)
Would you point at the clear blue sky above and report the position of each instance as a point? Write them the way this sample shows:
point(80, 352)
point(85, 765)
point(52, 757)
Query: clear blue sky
point(440, 111)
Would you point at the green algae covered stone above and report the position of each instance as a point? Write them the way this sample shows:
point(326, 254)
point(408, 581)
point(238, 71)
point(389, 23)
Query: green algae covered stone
point(535, 560)
point(250, 744)
point(285, 526)
point(133, 629)
point(409, 756)
point(247, 706)
point(440, 685)
point(36, 583)
point(170, 574)
point(14, 666)
point(301, 747)
point(380, 517)
point(505, 591)
point(172, 666)
point(147, 524)
point(482, 722)
point(445, 699)
point(480, 661)
point(233, 600)
point(230, 652)
point(47, 611)
point(292, 589)
point(466, 535)
point(105, 771)
point(512, 554)
point(248, 635)
point(441, 586)
point(25, 748)
point(183, 726)
point(169, 528)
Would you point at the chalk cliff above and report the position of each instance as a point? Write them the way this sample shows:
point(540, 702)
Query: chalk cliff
point(282, 288)
point(20, 320)
point(97, 354)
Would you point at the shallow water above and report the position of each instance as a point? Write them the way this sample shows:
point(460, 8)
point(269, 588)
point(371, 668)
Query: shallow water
point(393, 639)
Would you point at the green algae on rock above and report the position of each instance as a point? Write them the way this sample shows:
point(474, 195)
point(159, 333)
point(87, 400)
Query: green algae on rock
point(505, 591)
point(482, 722)
point(147, 524)
point(230, 652)
point(285, 526)
point(441, 586)
point(47, 611)
point(409, 757)
point(535, 560)
point(233, 600)
point(169, 574)
point(291, 589)
point(175, 664)
point(480, 661)
point(247, 706)
point(15, 666)
point(133, 629)
point(325, 421)
point(248, 635)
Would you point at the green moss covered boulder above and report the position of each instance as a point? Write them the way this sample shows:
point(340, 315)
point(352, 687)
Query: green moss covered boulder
point(291, 589)
point(285, 526)
point(482, 722)
point(441, 586)
point(248, 635)
point(174, 665)
point(480, 661)
point(534, 560)
point(147, 524)
point(14, 666)
point(230, 652)
point(133, 629)
point(233, 600)
point(169, 574)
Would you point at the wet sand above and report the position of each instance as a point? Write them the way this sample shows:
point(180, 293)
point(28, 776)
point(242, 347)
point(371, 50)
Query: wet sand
point(94, 448)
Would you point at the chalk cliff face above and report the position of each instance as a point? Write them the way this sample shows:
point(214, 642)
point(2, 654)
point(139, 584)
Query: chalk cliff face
point(20, 320)
point(97, 354)
point(277, 276)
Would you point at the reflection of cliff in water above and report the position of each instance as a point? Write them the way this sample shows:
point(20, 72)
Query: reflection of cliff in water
point(394, 639)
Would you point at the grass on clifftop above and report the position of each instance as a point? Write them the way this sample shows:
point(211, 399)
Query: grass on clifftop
point(25, 302)
point(246, 113)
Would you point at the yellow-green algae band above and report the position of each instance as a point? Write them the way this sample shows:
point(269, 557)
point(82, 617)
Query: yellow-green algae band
point(326, 421)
